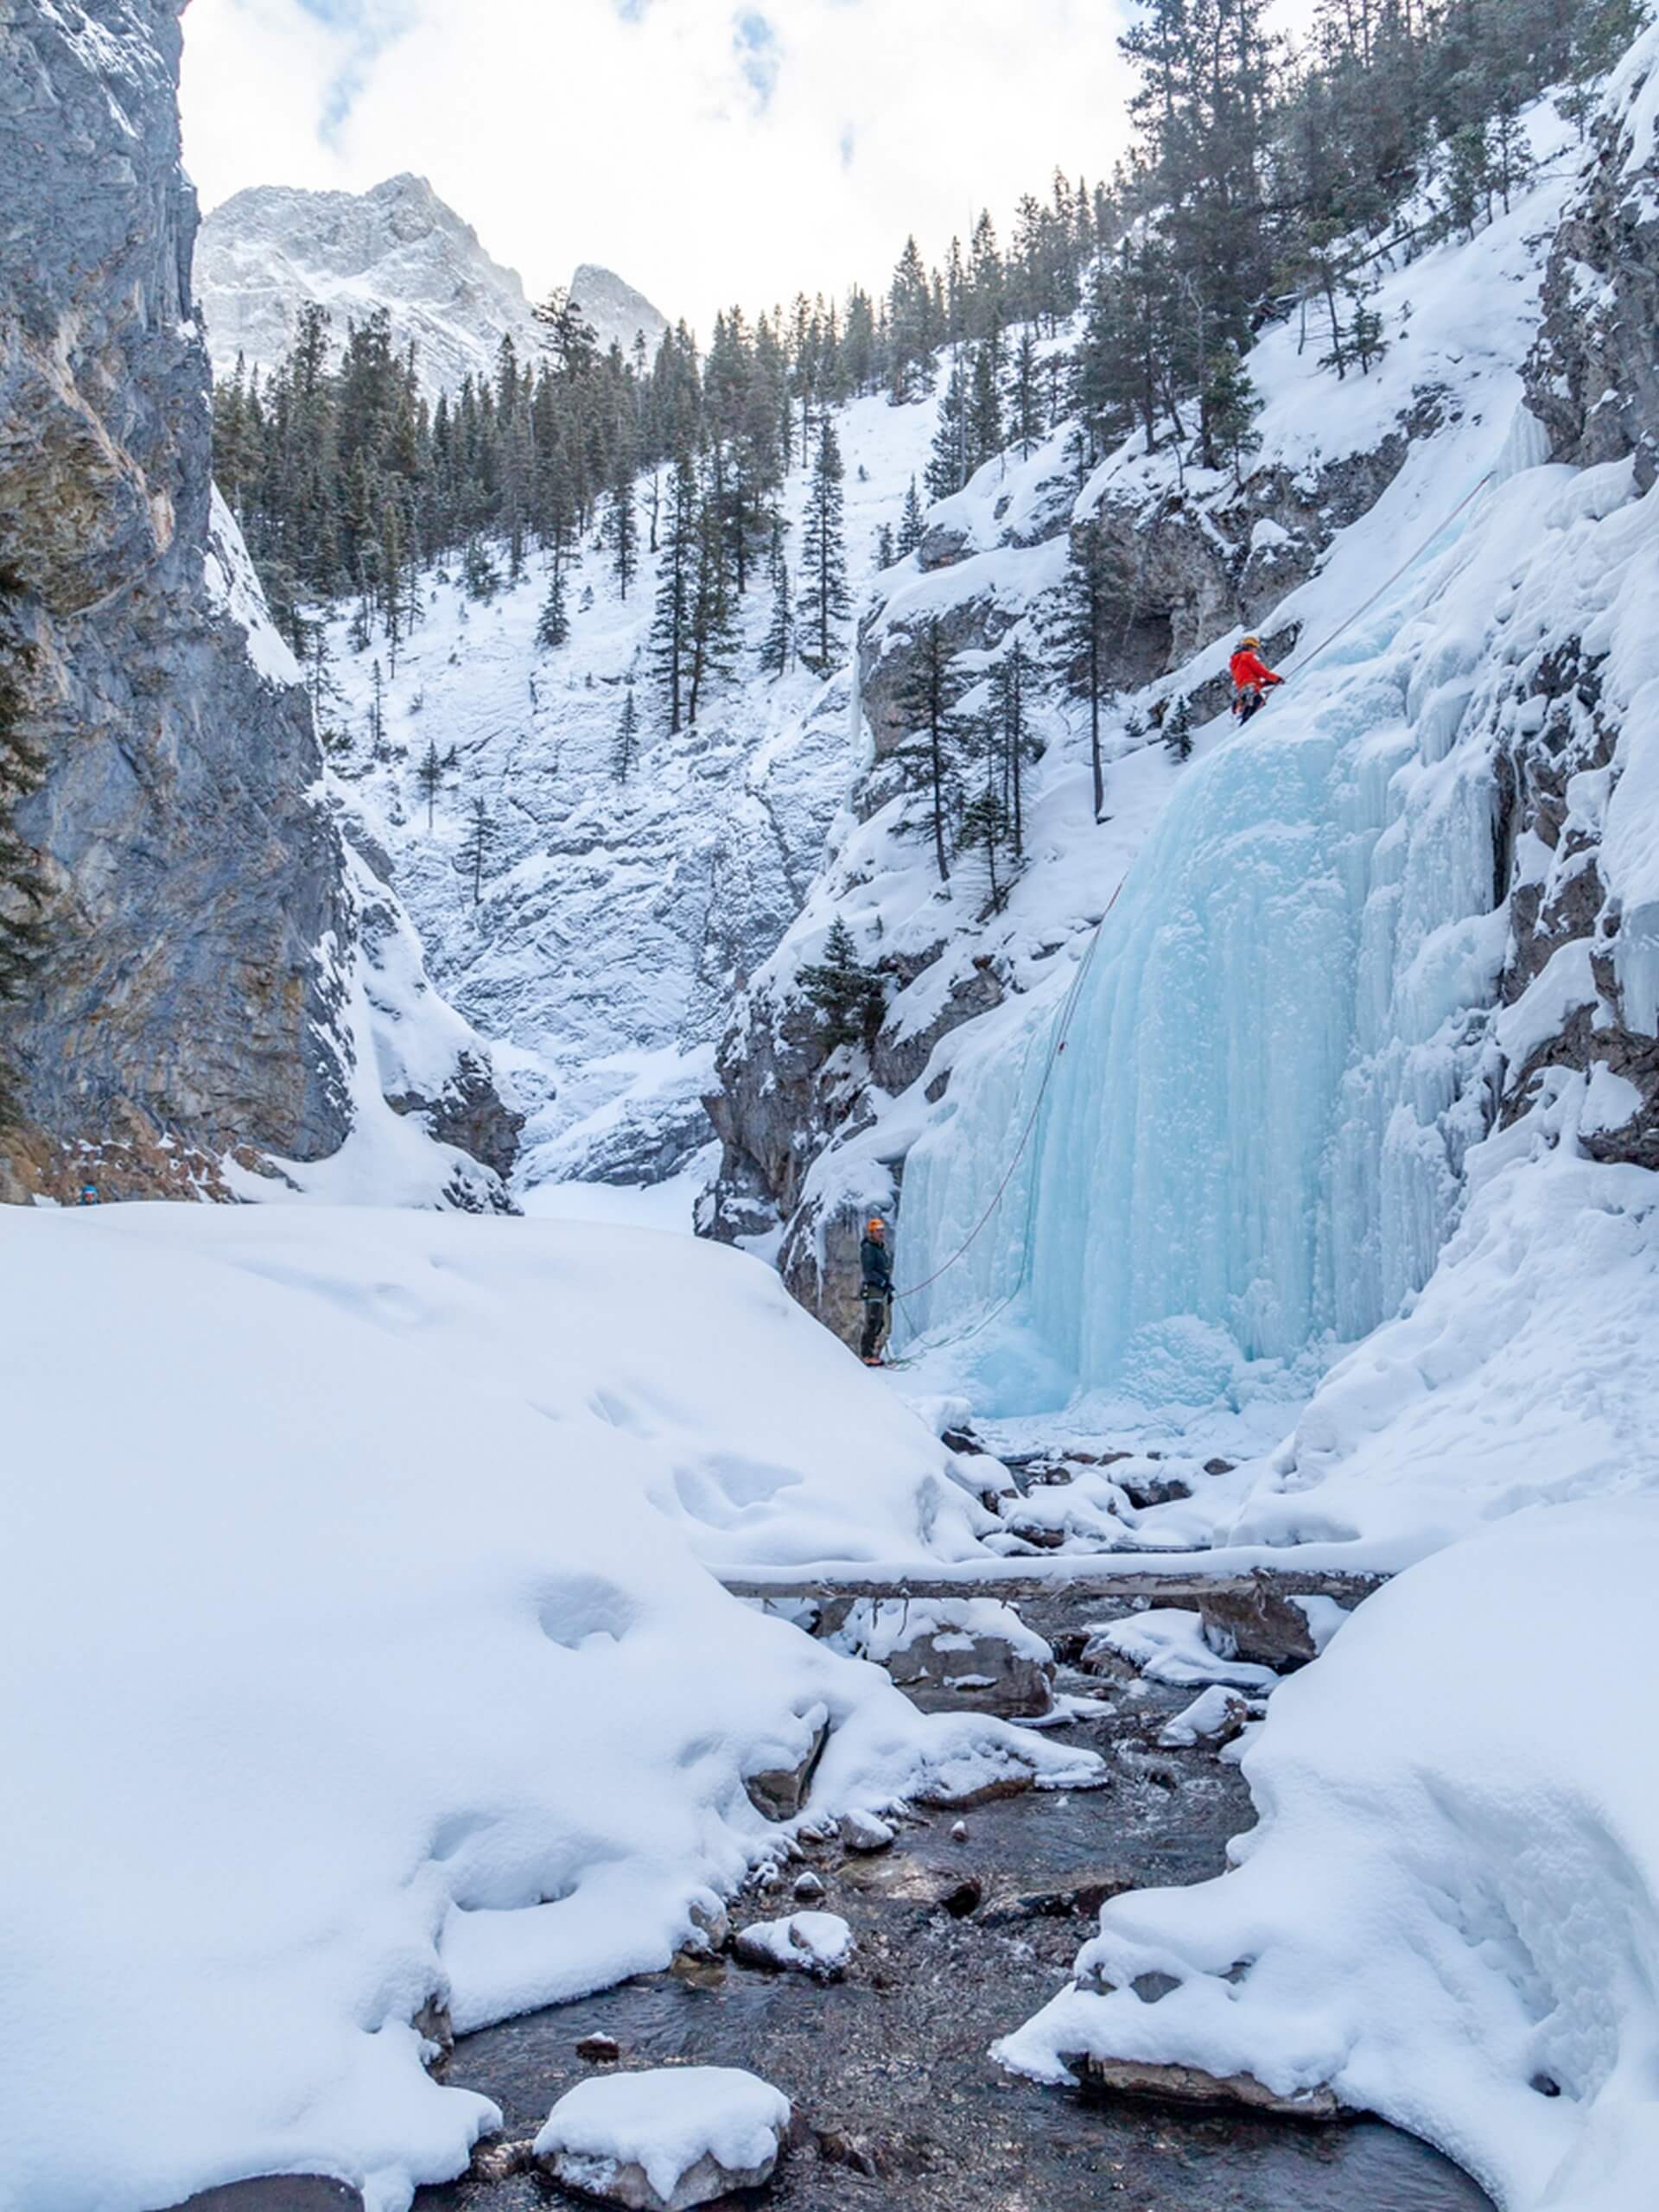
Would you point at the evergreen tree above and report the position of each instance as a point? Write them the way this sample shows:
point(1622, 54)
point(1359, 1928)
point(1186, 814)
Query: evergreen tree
point(553, 626)
point(850, 997)
point(1026, 423)
point(778, 651)
point(912, 524)
point(1231, 403)
point(677, 574)
point(947, 465)
point(927, 700)
point(1092, 587)
point(429, 777)
point(825, 602)
point(1178, 728)
point(622, 522)
point(625, 752)
point(1009, 740)
point(885, 553)
point(478, 847)
point(986, 828)
point(714, 612)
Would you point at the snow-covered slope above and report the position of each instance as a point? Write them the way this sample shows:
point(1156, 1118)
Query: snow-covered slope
point(372, 1684)
point(1252, 1143)
point(274, 249)
point(620, 917)
point(617, 314)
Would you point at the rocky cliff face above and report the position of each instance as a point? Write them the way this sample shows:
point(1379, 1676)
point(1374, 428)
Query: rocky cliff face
point(200, 974)
point(271, 250)
point(1576, 909)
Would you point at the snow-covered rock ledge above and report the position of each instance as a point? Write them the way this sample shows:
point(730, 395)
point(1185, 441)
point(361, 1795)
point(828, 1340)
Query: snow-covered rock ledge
point(1449, 1913)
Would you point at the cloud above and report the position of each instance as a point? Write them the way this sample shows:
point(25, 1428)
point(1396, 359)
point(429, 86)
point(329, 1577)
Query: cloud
point(759, 55)
point(705, 152)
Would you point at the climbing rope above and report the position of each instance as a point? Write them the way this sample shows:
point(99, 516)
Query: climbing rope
point(1069, 1010)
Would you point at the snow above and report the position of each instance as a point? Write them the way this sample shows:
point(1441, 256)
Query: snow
point(1449, 1910)
point(666, 2122)
point(618, 919)
point(233, 589)
point(1168, 1645)
point(368, 1660)
point(817, 1943)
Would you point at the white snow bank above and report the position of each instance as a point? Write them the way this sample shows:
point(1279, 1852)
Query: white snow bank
point(353, 1663)
point(1450, 1910)
point(1522, 1376)
point(667, 2122)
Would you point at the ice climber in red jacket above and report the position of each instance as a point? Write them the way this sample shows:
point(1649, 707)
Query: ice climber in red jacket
point(1252, 679)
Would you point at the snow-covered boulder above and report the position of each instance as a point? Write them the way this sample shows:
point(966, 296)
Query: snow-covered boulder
point(665, 2140)
point(951, 1654)
point(815, 1943)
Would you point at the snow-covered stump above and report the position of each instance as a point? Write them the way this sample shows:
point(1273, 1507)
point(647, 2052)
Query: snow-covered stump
point(665, 2140)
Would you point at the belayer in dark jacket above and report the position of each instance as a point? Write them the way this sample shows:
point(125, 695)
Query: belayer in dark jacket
point(876, 1261)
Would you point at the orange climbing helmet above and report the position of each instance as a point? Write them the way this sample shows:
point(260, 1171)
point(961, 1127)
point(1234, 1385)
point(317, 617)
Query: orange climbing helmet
point(878, 1227)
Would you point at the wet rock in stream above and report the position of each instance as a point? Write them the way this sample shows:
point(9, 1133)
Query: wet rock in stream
point(960, 1937)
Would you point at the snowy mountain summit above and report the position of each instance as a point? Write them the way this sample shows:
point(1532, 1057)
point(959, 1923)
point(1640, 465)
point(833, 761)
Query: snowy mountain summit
point(619, 314)
point(273, 250)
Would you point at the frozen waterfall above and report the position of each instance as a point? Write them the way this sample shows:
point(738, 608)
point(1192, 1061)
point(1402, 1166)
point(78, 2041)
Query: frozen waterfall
point(1254, 1139)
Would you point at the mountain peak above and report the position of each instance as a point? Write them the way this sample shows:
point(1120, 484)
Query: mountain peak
point(617, 312)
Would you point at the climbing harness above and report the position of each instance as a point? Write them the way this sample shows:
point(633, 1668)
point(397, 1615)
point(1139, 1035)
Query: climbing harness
point(1068, 1012)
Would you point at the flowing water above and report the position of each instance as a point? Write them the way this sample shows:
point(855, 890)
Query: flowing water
point(959, 1940)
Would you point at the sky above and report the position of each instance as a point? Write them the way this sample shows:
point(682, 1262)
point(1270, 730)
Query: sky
point(709, 151)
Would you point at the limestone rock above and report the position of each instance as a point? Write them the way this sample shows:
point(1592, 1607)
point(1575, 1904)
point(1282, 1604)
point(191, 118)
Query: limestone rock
point(1191, 2086)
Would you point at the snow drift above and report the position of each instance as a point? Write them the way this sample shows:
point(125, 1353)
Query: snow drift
point(357, 1663)
point(1450, 1910)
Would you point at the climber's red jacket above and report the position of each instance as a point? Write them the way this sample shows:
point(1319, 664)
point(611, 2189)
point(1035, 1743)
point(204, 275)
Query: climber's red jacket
point(1251, 672)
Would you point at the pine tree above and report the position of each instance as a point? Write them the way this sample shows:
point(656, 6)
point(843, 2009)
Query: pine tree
point(850, 998)
point(912, 524)
point(670, 629)
point(1027, 395)
point(622, 524)
point(1231, 406)
point(1009, 744)
point(377, 714)
point(947, 466)
point(825, 602)
point(477, 846)
point(1091, 588)
point(430, 776)
point(927, 700)
point(625, 752)
point(553, 628)
point(714, 611)
point(886, 553)
point(986, 828)
point(778, 651)
point(1178, 728)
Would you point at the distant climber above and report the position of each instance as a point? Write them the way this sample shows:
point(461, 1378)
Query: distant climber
point(876, 1258)
point(1252, 679)
point(88, 1195)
